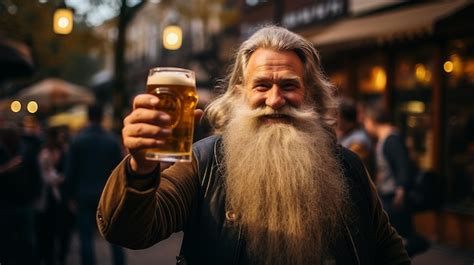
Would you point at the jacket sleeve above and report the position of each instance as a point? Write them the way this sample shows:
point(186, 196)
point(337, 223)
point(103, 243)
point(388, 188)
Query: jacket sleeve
point(137, 213)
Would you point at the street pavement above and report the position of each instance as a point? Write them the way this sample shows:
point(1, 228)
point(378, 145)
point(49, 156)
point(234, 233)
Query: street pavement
point(165, 252)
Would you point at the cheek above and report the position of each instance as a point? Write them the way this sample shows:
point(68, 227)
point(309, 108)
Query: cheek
point(295, 99)
point(256, 99)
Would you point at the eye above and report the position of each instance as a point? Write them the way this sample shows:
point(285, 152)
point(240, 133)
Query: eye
point(262, 86)
point(289, 85)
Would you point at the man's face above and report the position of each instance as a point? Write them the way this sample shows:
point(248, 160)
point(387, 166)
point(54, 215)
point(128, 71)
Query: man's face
point(274, 79)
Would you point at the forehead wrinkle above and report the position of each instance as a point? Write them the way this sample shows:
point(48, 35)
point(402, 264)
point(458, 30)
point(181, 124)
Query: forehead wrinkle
point(275, 77)
point(269, 67)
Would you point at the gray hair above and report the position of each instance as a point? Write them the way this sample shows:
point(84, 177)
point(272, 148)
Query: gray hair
point(320, 90)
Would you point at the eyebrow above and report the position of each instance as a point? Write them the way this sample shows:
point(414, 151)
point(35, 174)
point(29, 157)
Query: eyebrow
point(290, 78)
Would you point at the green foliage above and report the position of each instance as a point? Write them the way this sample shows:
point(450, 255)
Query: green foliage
point(66, 57)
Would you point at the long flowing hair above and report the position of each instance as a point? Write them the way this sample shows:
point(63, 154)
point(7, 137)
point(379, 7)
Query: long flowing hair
point(320, 90)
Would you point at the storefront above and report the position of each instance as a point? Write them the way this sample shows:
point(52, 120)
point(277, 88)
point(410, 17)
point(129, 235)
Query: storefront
point(419, 58)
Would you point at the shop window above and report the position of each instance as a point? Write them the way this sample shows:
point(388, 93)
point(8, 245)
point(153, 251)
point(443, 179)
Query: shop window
point(459, 134)
point(337, 70)
point(414, 70)
point(460, 157)
point(459, 63)
point(413, 81)
point(372, 76)
point(339, 80)
point(413, 118)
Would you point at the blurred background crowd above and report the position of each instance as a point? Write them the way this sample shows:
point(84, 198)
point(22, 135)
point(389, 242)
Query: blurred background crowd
point(404, 71)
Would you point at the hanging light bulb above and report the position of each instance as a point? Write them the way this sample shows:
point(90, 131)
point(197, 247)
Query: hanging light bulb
point(63, 20)
point(172, 37)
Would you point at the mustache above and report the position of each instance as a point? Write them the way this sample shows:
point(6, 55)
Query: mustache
point(297, 114)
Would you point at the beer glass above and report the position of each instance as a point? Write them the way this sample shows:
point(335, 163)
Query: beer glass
point(176, 90)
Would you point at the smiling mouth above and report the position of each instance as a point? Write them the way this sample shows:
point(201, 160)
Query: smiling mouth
point(276, 118)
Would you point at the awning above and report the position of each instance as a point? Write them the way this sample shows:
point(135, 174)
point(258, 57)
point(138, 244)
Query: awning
point(55, 93)
point(402, 23)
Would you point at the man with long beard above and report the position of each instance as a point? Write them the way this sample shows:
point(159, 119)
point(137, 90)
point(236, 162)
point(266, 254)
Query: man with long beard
point(271, 187)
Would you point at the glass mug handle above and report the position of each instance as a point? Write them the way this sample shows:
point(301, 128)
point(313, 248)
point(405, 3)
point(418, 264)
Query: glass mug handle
point(169, 103)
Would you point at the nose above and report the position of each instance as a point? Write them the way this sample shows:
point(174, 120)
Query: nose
point(275, 98)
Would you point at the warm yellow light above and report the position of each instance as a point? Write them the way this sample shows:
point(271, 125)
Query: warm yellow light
point(380, 78)
point(63, 21)
point(448, 66)
point(411, 121)
point(427, 77)
point(415, 107)
point(172, 37)
point(420, 72)
point(32, 107)
point(458, 65)
point(15, 106)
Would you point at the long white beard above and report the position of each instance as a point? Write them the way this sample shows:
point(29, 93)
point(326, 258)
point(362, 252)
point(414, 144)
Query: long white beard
point(285, 185)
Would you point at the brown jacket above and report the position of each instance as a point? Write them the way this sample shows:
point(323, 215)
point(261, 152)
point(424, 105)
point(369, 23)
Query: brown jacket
point(137, 213)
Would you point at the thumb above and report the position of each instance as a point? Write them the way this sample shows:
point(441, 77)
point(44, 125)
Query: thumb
point(198, 113)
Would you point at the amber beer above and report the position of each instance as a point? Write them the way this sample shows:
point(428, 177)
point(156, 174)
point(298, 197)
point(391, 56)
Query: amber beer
point(176, 89)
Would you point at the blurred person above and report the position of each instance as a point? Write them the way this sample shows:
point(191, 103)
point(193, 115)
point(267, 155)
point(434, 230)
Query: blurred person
point(20, 184)
point(48, 204)
point(352, 135)
point(92, 156)
point(66, 217)
point(271, 187)
point(20, 177)
point(32, 134)
point(394, 173)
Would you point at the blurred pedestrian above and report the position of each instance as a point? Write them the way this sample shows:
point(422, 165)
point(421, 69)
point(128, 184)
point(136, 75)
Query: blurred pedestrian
point(394, 172)
point(47, 206)
point(66, 217)
point(352, 135)
point(91, 158)
point(20, 177)
point(20, 184)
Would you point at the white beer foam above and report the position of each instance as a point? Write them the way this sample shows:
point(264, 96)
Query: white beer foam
point(171, 78)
